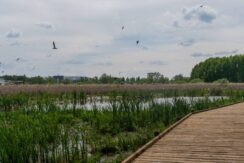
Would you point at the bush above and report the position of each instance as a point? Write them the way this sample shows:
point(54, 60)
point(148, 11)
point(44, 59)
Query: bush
point(222, 81)
point(197, 80)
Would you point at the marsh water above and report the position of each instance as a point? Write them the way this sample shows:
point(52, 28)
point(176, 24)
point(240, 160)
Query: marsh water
point(104, 103)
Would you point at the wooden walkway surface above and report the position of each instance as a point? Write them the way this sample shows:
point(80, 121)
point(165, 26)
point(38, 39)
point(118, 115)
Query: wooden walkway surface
point(211, 136)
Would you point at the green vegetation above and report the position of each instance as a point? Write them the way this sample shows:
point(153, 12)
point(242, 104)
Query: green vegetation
point(56, 127)
point(230, 68)
point(222, 81)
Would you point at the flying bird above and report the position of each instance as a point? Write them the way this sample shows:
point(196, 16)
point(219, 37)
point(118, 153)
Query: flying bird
point(201, 6)
point(54, 46)
point(123, 27)
point(17, 59)
point(137, 42)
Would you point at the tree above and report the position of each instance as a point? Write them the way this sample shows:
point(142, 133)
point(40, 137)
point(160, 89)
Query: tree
point(156, 77)
point(180, 79)
point(212, 69)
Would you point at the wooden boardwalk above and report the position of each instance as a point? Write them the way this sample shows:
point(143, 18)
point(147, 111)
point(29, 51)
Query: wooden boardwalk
point(211, 136)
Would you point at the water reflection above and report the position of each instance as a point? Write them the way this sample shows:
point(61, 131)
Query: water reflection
point(105, 104)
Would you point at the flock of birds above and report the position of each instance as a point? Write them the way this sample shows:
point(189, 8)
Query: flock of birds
point(123, 27)
point(55, 48)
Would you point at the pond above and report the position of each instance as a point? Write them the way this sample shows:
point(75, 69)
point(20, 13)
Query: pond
point(105, 104)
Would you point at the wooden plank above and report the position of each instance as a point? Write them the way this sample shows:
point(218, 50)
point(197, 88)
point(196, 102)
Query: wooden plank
point(149, 144)
point(209, 136)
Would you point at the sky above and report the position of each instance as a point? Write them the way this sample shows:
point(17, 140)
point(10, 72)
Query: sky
point(174, 36)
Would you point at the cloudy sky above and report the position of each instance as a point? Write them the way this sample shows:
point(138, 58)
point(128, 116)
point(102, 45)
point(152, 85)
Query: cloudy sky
point(174, 35)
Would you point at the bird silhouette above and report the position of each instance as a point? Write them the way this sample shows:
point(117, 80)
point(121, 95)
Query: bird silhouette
point(54, 46)
point(123, 27)
point(17, 59)
point(201, 6)
point(137, 42)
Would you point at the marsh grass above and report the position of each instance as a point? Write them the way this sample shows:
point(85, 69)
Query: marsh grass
point(42, 128)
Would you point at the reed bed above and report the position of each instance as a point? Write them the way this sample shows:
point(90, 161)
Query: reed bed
point(107, 88)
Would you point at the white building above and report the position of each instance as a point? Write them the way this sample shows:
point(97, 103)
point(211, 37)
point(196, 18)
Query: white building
point(2, 81)
point(72, 78)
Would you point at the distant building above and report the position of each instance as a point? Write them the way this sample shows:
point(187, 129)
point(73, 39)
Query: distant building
point(72, 78)
point(58, 78)
point(2, 81)
point(61, 78)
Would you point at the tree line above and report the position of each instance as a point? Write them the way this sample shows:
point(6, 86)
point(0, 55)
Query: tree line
point(230, 68)
point(218, 69)
point(154, 77)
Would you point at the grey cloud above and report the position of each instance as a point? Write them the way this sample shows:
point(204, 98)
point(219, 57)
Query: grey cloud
point(158, 62)
point(7, 65)
point(103, 63)
point(187, 43)
point(84, 58)
point(205, 14)
point(145, 48)
point(16, 43)
point(226, 52)
point(46, 25)
point(154, 62)
point(13, 33)
point(74, 62)
point(199, 54)
point(176, 24)
point(222, 53)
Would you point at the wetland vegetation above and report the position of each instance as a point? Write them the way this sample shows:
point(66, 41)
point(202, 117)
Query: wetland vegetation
point(58, 127)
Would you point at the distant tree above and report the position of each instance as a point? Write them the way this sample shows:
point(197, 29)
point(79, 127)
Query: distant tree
point(212, 69)
point(20, 78)
point(37, 80)
point(66, 81)
point(50, 80)
point(156, 77)
point(180, 79)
